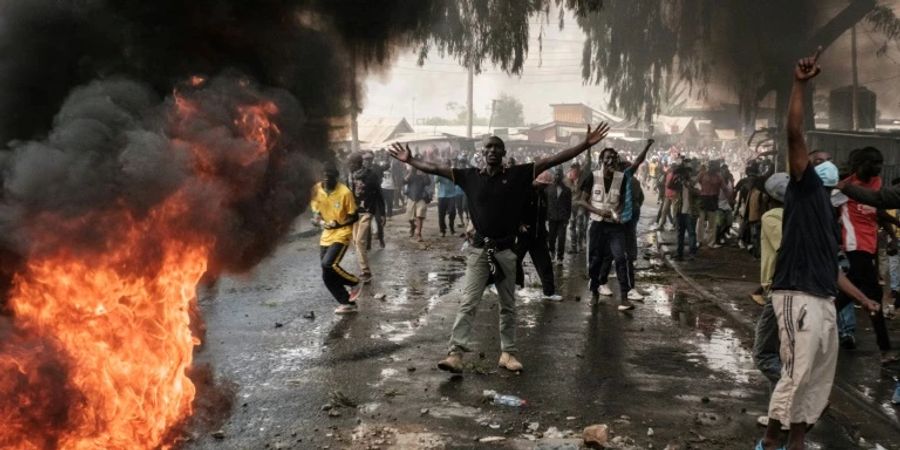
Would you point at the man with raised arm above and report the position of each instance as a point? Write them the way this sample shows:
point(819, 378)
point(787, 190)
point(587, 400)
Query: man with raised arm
point(497, 196)
point(606, 196)
point(805, 283)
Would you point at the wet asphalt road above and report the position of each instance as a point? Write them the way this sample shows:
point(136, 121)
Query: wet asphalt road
point(675, 365)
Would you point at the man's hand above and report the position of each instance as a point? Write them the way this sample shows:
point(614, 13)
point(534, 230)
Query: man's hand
point(807, 68)
point(401, 153)
point(593, 137)
point(871, 306)
point(330, 225)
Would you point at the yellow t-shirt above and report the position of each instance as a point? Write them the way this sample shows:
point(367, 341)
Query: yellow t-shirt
point(338, 206)
point(769, 243)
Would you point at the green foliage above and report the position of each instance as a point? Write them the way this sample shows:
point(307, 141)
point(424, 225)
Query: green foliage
point(508, 111)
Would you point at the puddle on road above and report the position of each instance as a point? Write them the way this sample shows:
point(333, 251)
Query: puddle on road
point(290, 359)
point(397, 331)
point(716, 345)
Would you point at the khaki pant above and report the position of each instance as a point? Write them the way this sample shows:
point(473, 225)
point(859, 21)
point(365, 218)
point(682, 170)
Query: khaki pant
point(416, 209)
point(361, 231)
point(809, 350)
point(477, 272)
point(706, 227)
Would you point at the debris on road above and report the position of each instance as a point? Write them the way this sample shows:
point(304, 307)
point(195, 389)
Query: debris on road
point(503, 399)
point(490, 439)
point(339, 398)
point(596, 436)
point(310, 315)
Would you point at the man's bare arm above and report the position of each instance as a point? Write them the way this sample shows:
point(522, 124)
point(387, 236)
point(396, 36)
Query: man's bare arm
point(591, 138)
point(806, 69)
point(643, 156)
point(403, 154)
point(847, 287)
point(888, 197)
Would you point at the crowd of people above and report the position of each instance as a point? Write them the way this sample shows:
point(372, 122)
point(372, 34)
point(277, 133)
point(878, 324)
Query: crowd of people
point(820, 251)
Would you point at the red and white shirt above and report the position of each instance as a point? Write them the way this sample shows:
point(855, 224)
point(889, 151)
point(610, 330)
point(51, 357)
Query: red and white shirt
point(859, 222)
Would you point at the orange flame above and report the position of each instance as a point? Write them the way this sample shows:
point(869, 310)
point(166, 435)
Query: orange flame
point(119, 319)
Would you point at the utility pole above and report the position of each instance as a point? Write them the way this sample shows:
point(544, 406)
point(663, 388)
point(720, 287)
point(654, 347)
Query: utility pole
point(854, 102)
point(469, 106)
point(491, 120)
point(354, 108)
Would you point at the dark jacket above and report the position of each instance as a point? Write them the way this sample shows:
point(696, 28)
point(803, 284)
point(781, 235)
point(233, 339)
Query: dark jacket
point(366, 185)
point(559, 207)
point(535, 215)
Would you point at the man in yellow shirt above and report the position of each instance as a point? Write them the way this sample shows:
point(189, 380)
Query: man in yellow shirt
point(335, 211)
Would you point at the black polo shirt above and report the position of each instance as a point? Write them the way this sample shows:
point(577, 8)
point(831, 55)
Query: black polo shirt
point(496, 202)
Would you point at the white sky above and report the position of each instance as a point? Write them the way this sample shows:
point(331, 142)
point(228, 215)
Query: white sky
point(550, 76)
point(554, 76)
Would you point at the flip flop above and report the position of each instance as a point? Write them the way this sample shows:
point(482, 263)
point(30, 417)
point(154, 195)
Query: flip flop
point(759, 446)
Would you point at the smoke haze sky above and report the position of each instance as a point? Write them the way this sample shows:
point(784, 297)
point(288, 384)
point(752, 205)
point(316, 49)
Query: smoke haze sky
point(554, 76)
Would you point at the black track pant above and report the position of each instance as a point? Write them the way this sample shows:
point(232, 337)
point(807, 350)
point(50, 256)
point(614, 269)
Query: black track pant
point(336, 278)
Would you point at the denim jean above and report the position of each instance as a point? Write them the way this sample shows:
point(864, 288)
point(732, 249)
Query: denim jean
point(766, 344)
point(894, 263)
point(687, 224)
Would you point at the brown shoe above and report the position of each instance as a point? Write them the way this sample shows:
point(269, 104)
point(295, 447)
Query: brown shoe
point(452, 363)
point(509, 362)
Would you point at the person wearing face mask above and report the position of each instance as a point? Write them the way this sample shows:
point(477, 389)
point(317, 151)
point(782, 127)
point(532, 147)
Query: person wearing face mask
point(334, 209)
point(497, 196)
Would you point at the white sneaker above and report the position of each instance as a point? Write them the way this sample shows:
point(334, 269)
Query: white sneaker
point(635, 295)
point(605, 291)
point(553, 298)
point(613, 274)
point(346, 309)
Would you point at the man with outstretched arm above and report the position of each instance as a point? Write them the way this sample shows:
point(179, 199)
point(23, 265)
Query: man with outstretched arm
point(496, 197)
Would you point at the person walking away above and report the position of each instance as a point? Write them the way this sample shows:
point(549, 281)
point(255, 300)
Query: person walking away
point(419, 195)
point(334, 209)
point(743, 188)
point(497, 197)
point(388, 188)
point(578, 226)
point(665, 212)
point(367, 190)
point(859, 232)
point(711, 183)
point(725, 218)
point(532, 239)
point(398, 173)
point(446, 194)
point(461, 202)
point(559, 209)
point(687, 208)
